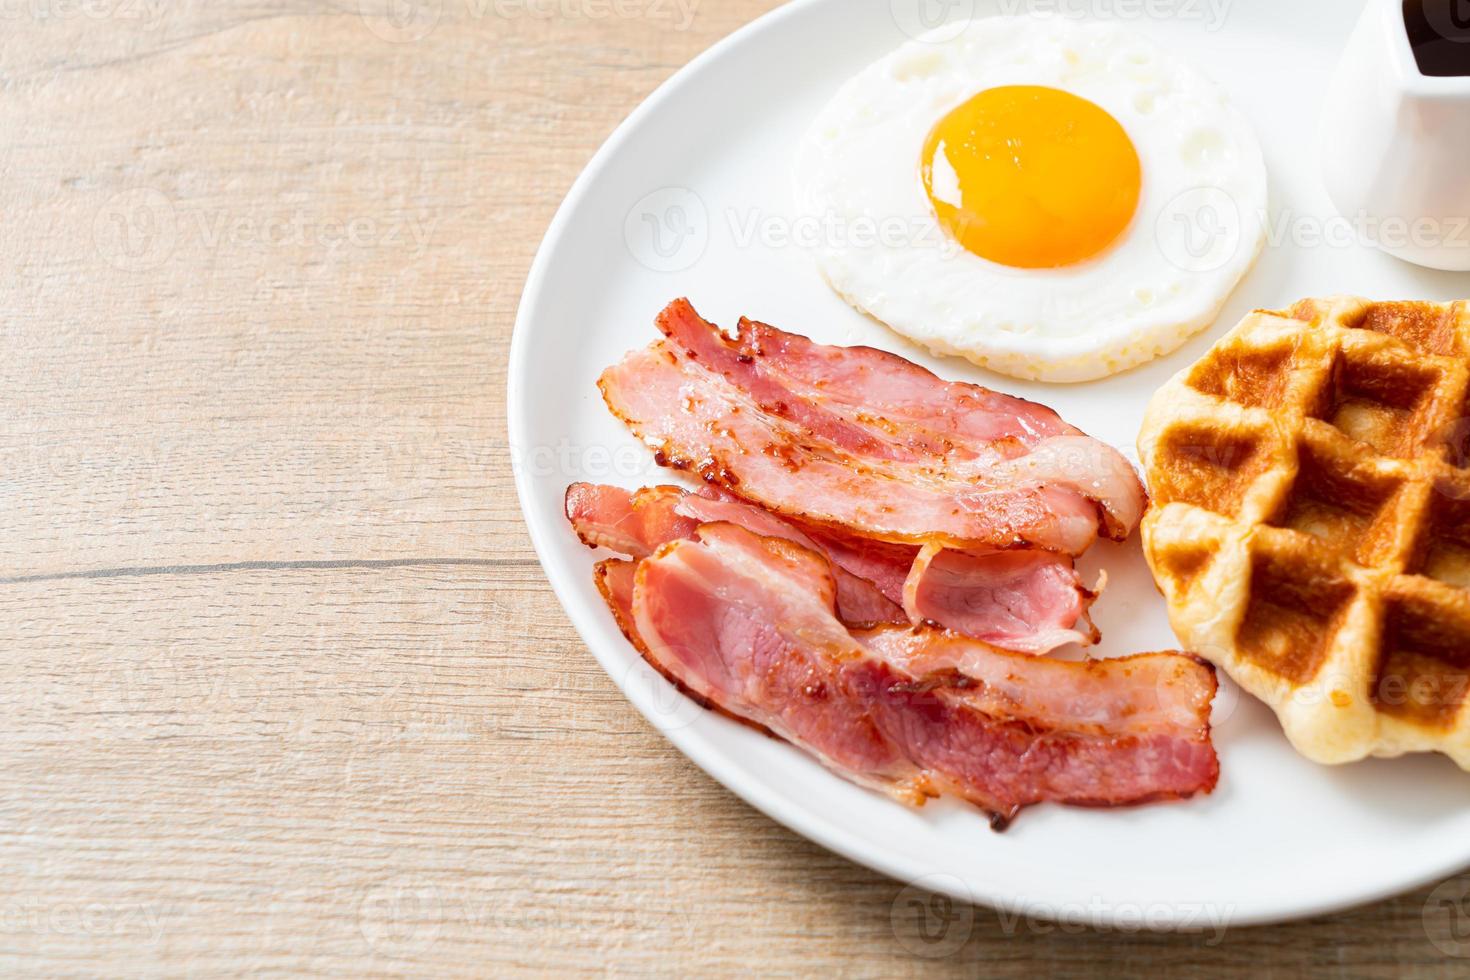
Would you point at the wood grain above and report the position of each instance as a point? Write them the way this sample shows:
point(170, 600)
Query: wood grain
point(286, 690)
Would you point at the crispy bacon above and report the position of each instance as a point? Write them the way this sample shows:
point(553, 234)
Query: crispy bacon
point(1030, 601)
point(746, 624)
point(874, 405)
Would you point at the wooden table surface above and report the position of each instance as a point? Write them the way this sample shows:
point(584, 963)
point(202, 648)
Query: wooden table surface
point(286, 689)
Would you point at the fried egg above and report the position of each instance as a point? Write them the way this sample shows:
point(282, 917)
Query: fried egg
point(1052, 200)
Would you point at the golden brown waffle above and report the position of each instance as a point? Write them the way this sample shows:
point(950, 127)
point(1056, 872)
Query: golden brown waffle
point(1311, 520)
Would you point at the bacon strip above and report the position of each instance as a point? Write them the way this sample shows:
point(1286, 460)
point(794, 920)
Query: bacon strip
point(630, 523)
point(745, 624)
point(635, 524)
point(1030, 601)
point(968, 426)
point(696, 421)
point(876, 405)
point(859, 601)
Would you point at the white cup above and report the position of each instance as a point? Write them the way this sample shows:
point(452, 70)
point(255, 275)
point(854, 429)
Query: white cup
point(1396, 142)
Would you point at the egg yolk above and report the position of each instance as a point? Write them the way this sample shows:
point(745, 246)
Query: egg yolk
point(1032, 177)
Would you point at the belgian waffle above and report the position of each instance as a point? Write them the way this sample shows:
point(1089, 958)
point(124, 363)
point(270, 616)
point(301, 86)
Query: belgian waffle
point(1311, 520)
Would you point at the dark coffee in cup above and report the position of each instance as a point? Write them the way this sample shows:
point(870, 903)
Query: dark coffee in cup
point(1439, 33)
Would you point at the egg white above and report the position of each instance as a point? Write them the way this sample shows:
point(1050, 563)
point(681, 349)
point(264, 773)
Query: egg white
point(1198, 228)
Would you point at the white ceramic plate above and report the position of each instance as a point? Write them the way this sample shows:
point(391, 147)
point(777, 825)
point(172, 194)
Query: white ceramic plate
point(691, 197)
